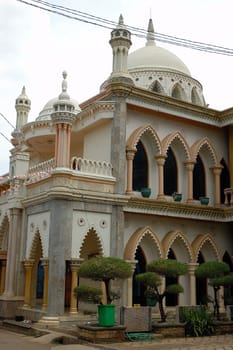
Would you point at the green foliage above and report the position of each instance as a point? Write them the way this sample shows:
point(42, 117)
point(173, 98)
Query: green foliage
point(167, 267)
point(88, 294)
point(212, 269)
point(105, 268)
point(198, 322)
point(174, 289)
point(152, 279)
point(225, 281)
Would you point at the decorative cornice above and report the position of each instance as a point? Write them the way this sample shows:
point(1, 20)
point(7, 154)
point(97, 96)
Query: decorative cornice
point(179, 210)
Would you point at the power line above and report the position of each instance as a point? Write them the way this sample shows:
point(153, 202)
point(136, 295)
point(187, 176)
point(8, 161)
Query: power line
point(7, 120)
point(107, 24)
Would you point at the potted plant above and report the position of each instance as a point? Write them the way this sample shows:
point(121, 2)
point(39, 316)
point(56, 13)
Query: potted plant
point(152, 279)
point(146, 192)
point(177, 196)
point(204, 200)
point(103, 269)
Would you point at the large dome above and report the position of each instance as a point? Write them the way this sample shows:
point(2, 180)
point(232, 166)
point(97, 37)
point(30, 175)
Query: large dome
point(154, 57)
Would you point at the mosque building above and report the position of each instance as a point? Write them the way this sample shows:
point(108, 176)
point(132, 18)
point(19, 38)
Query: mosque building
point(141, 171)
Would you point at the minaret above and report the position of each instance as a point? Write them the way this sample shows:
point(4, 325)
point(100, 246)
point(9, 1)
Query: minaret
point(22, 106)
point(63, 117)
point(120, 43)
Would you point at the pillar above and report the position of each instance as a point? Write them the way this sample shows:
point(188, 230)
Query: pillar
point(14, 227)
point(160, 159)
point(28, 265)
point(45, 264)
point(192, 282)
point(130, 283)
point(189, 166)
point(3, 276)
point(230, 150)
point(217, 172)
point(74, 265)
point(130, 157)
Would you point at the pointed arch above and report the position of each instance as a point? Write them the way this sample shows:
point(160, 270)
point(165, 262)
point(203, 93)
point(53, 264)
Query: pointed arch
point(178, 92)
point(157, 87)
point(4, 232)
point(36, 246)
point(206, 146)
point(91, 245)
point(195, 98)
point(179, 244)
point(137, 135)
point(137, 238)
point(205, 241)
point(179, 141)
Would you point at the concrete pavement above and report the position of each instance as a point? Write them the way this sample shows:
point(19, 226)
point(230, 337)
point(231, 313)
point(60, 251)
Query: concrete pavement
point(10, 340)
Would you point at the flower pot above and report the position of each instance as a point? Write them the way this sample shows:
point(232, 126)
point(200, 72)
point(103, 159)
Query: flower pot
point(146, 192)
point(177, 197)
point(204, 200)
point(106, 315)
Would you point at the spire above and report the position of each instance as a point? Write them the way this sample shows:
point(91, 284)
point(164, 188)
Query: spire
point(22, 106)
point(121, 22)
point(150, 33)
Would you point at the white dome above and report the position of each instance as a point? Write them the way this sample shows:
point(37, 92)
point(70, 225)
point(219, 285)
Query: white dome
point(48, 109)
point(153, 57)
point(46, 112)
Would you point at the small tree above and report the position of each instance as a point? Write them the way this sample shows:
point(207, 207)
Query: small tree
point(152, 279)
point(102, 269)
point(215, 272)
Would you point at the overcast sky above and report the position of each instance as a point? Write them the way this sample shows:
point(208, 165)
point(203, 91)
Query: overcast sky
point(36, 46)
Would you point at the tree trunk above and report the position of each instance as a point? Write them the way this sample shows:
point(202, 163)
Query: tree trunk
point(161, 308)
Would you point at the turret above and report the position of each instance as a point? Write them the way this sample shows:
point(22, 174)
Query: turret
point(22, 106)
point(120, 43)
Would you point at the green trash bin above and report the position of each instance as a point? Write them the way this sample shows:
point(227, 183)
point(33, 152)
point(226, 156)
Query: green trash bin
point(106, 315)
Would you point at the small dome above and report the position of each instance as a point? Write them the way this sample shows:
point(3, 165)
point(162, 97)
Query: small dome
point(23, 98)
point(48, 109)
point(46, 112)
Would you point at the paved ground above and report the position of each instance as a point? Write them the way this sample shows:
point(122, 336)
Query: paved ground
point(10, 340)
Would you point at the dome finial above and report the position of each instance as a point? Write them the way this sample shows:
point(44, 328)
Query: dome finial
point(120, 22)
point(150, 33)
point(64, 95)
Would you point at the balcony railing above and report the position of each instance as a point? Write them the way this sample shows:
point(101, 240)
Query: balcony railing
point(93, 167)
point(228, 192)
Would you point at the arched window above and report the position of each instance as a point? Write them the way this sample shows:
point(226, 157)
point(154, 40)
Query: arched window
point(224, 179)
point(170, 173)
point(139, 288)
point(228, 291)
point(157, 87)
point(140, 168)
point(171, 299)
point(177, 92)
point(199, 179)
point(40, 280)
point(195, 97)
point(201, 285)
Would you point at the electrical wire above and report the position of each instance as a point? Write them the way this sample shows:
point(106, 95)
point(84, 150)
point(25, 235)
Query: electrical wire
point(107, 24)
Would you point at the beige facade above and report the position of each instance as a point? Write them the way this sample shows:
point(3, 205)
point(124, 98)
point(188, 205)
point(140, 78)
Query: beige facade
point(75, 177)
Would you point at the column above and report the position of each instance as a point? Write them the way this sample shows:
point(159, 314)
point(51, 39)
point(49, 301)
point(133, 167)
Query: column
point(14, 227)
point(160, 159)
point(189, 164)
point(3, 276)
point(74, 265)
point(230, 150)
point(45, 264)
point(221, 300)
point(192, 282)
point(28, 265)
point(217, 172)
point(130, 157)
point(130, 283)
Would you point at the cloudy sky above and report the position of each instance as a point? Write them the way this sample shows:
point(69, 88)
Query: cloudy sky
point(36, 46)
